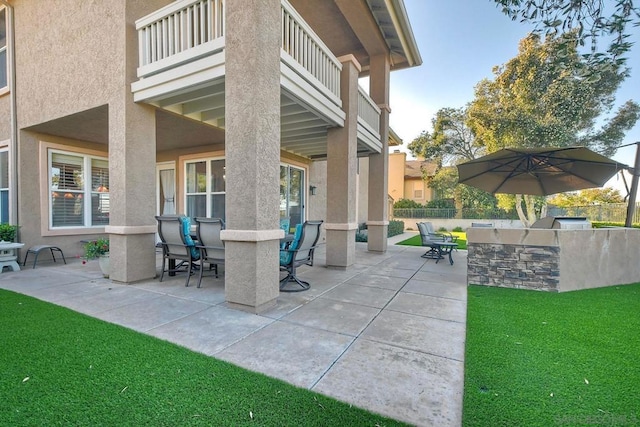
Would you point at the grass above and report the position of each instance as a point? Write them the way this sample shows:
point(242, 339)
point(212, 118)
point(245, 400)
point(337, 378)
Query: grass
point(58, 367)
point(541, 359)
point(416, 241)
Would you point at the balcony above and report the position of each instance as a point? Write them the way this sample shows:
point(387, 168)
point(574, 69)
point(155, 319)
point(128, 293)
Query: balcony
point(181, 69)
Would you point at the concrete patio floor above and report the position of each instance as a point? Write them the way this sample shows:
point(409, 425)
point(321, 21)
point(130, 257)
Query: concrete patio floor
point(386, 334)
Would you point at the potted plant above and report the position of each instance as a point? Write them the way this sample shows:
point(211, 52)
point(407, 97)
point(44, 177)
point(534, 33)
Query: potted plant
point(98, 249)
point(8, 247)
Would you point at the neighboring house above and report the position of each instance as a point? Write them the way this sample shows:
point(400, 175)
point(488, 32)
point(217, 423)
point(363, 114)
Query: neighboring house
point(114, 111)
point(409, 179)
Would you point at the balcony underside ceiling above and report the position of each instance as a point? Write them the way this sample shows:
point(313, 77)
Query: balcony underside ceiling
point(303, 130)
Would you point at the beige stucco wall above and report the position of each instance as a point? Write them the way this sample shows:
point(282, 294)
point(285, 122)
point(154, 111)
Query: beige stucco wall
point(71, 56)
point(587, 258)
point(396, 175)
point(363, 190)
point(5, 121)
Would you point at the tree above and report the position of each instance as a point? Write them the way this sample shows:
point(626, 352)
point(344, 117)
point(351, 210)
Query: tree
point(535, 102)
point(591, 196)
point(586, 20)
point(451, 140)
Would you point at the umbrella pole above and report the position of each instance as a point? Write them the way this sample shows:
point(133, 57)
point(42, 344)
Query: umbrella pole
point(631, 207)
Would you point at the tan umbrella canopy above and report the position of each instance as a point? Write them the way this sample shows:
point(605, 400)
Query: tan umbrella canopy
point(538, 171)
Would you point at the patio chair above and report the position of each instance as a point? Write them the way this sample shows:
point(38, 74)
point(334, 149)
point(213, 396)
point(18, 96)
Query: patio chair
point(177, 245)
point(430, 240)
point(299, 252)
point(443, 235)
point(209, 244)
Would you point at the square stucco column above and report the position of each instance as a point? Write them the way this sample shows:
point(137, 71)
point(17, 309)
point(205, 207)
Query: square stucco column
point(252, 116)
point(132, 191)
point(342, 167)
point(378, 222)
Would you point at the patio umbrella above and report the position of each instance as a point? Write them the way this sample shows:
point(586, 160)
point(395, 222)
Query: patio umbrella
point(538, 171)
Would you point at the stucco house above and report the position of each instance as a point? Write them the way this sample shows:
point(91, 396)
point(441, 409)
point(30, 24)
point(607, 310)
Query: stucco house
point(409, 179)
point(112, 112)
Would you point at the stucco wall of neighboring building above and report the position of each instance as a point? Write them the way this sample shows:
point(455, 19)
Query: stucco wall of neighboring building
point(395, 183)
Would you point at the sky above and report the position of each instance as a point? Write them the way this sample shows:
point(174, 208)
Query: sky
point(460, 42)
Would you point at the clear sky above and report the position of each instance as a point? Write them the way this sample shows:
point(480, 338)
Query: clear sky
point(460, 42)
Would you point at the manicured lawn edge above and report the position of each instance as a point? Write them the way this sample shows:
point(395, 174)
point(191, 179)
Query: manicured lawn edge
point(59, 367)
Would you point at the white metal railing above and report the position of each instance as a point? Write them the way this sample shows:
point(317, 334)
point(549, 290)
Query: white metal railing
point(306, 48)
point(179, 27)
point(368, 110)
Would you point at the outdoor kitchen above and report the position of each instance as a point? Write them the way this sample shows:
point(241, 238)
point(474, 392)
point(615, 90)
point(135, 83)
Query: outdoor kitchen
point(555, 254)
point(564, 257)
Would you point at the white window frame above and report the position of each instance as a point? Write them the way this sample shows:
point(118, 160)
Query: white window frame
point(5, 50)
point(207, 193)
point(86, 192)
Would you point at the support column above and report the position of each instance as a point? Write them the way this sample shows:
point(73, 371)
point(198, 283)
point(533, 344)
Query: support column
point(132, 191)
point(342, 167)
point(378, 222)
point(252, 149)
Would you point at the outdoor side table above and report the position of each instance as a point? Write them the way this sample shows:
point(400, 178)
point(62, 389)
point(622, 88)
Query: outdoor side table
point(445, 248)
point(8, 256)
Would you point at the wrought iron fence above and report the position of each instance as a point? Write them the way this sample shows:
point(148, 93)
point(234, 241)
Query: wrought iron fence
point(614, 212)
point(452, 213)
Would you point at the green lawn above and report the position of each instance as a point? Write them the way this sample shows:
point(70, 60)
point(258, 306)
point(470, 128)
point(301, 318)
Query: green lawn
point(415, 240)
point(542, 359)
point(59, 367)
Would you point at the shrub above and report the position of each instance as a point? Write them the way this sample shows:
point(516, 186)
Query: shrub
point(8, 232)
point(458, 229)
point(407, 204)
point(395, 227)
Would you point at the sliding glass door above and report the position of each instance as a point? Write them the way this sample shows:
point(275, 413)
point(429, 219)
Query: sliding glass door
point(292, 194)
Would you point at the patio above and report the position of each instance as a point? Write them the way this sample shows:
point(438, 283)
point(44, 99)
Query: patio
point(387, 334)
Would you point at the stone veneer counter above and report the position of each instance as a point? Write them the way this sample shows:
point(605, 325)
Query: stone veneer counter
point(553, 260)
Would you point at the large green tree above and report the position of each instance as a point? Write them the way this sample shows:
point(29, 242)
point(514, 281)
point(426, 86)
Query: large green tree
point(588, 197)
point(450, 142)
point(591, 22)
point(542, 98)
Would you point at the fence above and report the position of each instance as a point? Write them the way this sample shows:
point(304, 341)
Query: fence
point(614, 212)
point(450, 213)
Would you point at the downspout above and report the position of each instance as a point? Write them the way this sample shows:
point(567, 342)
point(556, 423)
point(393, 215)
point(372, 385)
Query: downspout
point(13, 142)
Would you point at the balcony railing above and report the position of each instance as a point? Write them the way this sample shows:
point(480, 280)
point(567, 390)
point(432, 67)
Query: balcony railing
point(179, 33)
point(368, 111)
point(306, 48)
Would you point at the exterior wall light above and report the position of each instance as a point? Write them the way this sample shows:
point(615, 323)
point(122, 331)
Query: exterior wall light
point(312, 190)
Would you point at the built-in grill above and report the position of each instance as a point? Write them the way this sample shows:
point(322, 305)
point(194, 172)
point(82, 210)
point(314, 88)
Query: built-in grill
point(563, 222)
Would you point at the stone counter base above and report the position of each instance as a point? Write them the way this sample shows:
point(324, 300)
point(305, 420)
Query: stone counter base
point(514, 266)
point(553, 260)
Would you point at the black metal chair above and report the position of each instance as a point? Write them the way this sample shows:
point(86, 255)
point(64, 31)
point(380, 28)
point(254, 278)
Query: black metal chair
point(177, 245)
point(209, 244)
point(429, 240)
point(299, 252)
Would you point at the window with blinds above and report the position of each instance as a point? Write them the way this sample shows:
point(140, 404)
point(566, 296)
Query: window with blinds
point(73, 202)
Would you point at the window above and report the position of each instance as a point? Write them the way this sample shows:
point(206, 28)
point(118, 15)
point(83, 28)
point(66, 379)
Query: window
point(4, 186)
point(205, 188)
point(79, 190)
point(292, 194)
point(3, 48)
